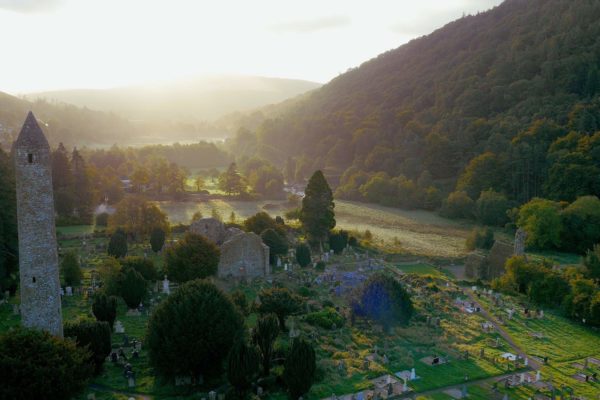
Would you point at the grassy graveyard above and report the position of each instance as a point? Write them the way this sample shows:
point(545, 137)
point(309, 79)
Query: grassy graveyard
point(350, 356)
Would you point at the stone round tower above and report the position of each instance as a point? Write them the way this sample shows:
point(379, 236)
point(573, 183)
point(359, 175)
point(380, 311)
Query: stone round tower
point(38, 256)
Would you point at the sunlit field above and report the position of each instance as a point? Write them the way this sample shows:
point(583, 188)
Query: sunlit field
point(412, 232)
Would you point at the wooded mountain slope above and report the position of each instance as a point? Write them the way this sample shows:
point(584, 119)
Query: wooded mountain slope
point(439, 101)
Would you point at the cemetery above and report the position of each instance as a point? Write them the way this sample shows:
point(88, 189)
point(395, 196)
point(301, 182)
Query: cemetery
point(448, 348)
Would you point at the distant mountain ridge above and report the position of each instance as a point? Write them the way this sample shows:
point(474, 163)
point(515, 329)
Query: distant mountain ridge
point(191, 100)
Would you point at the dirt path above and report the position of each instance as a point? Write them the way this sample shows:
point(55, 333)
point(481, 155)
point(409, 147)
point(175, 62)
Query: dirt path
point(487, 315)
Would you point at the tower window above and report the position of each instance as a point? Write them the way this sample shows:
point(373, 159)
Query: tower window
point(33, 279)
point(30, 158)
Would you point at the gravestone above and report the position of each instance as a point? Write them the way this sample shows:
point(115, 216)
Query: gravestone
point(119, 327)
point(69, 291)
point(166, 289)
point(130, 379)
point(212, 395)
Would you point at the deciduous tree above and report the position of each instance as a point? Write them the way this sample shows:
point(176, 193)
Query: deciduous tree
point(193, 257)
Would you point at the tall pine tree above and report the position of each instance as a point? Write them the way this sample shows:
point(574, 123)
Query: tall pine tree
point(231, 181)
point(317, 215)
point(62, 182)
point(9, 248)
point(82, 190)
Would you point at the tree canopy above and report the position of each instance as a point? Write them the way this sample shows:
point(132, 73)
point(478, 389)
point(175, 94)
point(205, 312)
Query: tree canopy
point(193, 257)
point(192, 331)
point(317, 215)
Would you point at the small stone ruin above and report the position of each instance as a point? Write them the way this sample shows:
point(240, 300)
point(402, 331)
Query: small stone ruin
point(243, 255)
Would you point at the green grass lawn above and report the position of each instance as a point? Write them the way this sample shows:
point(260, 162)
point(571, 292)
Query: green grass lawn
point(75, 230)
point(557, 257)
point(420, 269)
point(564, 342)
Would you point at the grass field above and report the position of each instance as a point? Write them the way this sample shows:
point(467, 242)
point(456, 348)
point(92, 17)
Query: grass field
point(401, 231)
point(564, 342)
point(75, 230)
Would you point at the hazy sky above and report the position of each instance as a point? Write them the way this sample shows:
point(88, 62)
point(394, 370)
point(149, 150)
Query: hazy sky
point(54, 44)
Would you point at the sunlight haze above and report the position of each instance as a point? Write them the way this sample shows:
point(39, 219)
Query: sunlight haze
point(60, 44)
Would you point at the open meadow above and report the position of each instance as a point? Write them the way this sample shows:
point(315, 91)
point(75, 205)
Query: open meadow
point(412, 232)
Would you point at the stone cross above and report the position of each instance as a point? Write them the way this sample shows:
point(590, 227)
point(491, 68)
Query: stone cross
point(520, 237)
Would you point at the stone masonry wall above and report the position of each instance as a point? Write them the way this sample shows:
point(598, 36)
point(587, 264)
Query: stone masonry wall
point(38, 258)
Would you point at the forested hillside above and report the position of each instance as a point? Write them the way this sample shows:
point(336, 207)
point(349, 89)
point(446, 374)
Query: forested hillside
point(76, 126)
point(507, 99)
point(62, 123)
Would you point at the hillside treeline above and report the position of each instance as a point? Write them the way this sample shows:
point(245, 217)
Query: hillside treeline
point(505, 100)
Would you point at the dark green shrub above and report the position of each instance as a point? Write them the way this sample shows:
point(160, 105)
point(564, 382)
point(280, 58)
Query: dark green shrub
point(36, 365)
point(264, 335)
point(326, 318)
point(300, 367)
point(338, 241)
point(93, 336)
point(144, 266)
point(192, 331)
point(117, 245)
point(104, 308)
point(303, 254)
point(157, 239)
point(193, 257)
point(242, 367)
point(132, 287)
point(71, 270)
